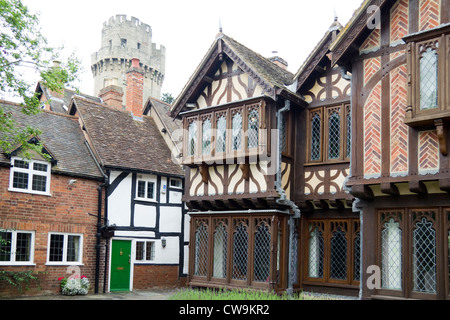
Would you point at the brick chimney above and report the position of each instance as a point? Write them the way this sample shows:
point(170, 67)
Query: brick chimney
point(135, 88)
point(279, 62)
point(112, 96)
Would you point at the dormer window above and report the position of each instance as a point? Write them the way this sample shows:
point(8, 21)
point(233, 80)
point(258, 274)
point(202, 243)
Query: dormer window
point(30, 176)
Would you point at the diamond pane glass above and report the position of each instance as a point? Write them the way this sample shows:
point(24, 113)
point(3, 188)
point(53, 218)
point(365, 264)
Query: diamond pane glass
point(338, 261)
point(424, 257)
point(206, 141)
point(237, 131)
point(240, 253)
point(429, 80)
point(192, 139)
point(220, 252)
point(349, 134)
point(201, 251)
point(391, 256)
point(262, 254)
point(357, 256)
point(315, 137)
point(221, 134)
point(253, 129)
point(283, 133)
point(334, 136)
point(316, 252)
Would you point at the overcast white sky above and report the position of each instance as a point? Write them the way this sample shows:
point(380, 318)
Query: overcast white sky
point(187, 28)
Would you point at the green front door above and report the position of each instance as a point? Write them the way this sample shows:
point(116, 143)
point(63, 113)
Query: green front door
point(120, 265)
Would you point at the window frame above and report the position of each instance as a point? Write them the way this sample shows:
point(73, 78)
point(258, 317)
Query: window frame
point(31, 172)
point(64, 261)
point(325, 113)
point(147, 181)
point(417, 44)
point(144, 251)
point(12, 261)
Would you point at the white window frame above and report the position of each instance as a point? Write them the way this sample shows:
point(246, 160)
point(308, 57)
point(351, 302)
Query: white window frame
point(31, 172)
point(12, 261)
point(144, 253)
point(65, 243)
point(147, 180)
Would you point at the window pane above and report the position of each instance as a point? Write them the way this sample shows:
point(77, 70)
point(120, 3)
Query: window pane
point(40, 167)
point(391, 256)
point(429, 80)
point(73, 248)
point(141, 189)
point(283, 133)
point(237, 131)
point(23, 247)
point(221, 134)
point(149, 251)
point(39, 183)
point(56, 247)
point(253, 129)
point(338, 255)
point(262, 254)
point(424, 257)
point(140, 251)
point(240, 253)
point(316, 252)
point(192, 139)
point(201, 251)
point(349, 133)
point(21, 164)
point(5, 246)
point(20, 180)
point(150, 190)
point(220, 252)
point(334, 136)
point(206, 141)
point(315, 137)
point(357, 258)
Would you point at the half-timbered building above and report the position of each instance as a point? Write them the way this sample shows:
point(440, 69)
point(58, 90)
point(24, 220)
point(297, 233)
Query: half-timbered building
point(398, 53)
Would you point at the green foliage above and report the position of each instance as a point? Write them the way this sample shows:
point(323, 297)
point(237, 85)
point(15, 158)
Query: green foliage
point(167, 98)
point(19, 279)
point(242, 294)
point(24, 48)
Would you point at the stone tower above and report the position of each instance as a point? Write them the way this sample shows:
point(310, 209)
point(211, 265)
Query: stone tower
point(122, 41)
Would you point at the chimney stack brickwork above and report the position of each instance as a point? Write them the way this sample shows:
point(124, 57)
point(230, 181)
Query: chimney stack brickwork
point(135, 88)
point(112, 96)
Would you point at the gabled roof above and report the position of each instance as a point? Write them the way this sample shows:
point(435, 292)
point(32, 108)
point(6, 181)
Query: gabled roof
point(274, 79)
point(317, 55)
point(121, 142)
point(60, 102)
point(61, 136)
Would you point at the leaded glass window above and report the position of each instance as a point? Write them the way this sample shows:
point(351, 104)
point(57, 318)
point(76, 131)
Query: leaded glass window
point(220, 251)
point(201, 250)
point(237, 131)
point(206, 137)
point(338, 259)
point(391, 256)
point(429, 80)
point(283, 133)
point(192, 139)
point(349, 132)
point(316, 129)
point(316, 253)
point(357, 257)
point(424, 257)
point(253, 129)
point(240, 252)
point(221, 134)
point(334, 136)
point(262, 253)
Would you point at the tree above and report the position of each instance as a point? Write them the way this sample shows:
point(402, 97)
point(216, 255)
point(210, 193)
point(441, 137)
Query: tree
point(167, 98)
point(24, 48)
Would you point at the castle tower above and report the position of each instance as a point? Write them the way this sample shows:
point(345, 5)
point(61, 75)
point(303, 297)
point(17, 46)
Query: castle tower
point(122, 41)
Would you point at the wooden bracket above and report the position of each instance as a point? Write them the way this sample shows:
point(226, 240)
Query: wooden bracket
point(442, 135)
point(245, 168)
point(418, 187)
point(204, 171)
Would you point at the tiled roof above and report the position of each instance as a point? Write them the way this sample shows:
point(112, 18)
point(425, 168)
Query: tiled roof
point(62, 136)
point(163, 109)
point(121, 141)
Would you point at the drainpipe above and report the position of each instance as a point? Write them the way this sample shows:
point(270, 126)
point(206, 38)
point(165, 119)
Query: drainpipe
point(344, 74)
point(284, 201)
point(99, 218)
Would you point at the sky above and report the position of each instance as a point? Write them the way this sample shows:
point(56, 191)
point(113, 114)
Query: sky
point(187, 28)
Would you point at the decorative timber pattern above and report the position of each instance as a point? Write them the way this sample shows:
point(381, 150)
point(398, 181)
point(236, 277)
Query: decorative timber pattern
point(399, 20)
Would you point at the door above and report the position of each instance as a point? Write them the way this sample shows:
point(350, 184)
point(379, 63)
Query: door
point(120, 265)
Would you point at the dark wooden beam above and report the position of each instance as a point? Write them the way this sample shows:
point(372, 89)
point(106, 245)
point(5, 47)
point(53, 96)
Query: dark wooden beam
point(418, 187)
point(362, 192)
point(389, 188)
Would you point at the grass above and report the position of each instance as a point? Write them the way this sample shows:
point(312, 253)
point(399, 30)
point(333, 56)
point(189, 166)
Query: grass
point(242, 294)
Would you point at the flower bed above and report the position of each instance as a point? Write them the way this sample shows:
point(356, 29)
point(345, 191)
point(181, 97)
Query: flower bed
point(74, 285)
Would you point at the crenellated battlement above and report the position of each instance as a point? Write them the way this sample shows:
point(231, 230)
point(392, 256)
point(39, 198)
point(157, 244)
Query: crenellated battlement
point(122, 40)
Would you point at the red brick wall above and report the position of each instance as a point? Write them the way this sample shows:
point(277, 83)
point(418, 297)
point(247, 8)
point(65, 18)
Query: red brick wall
point(154, 276)
point(135, 89)
point(65, 211)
